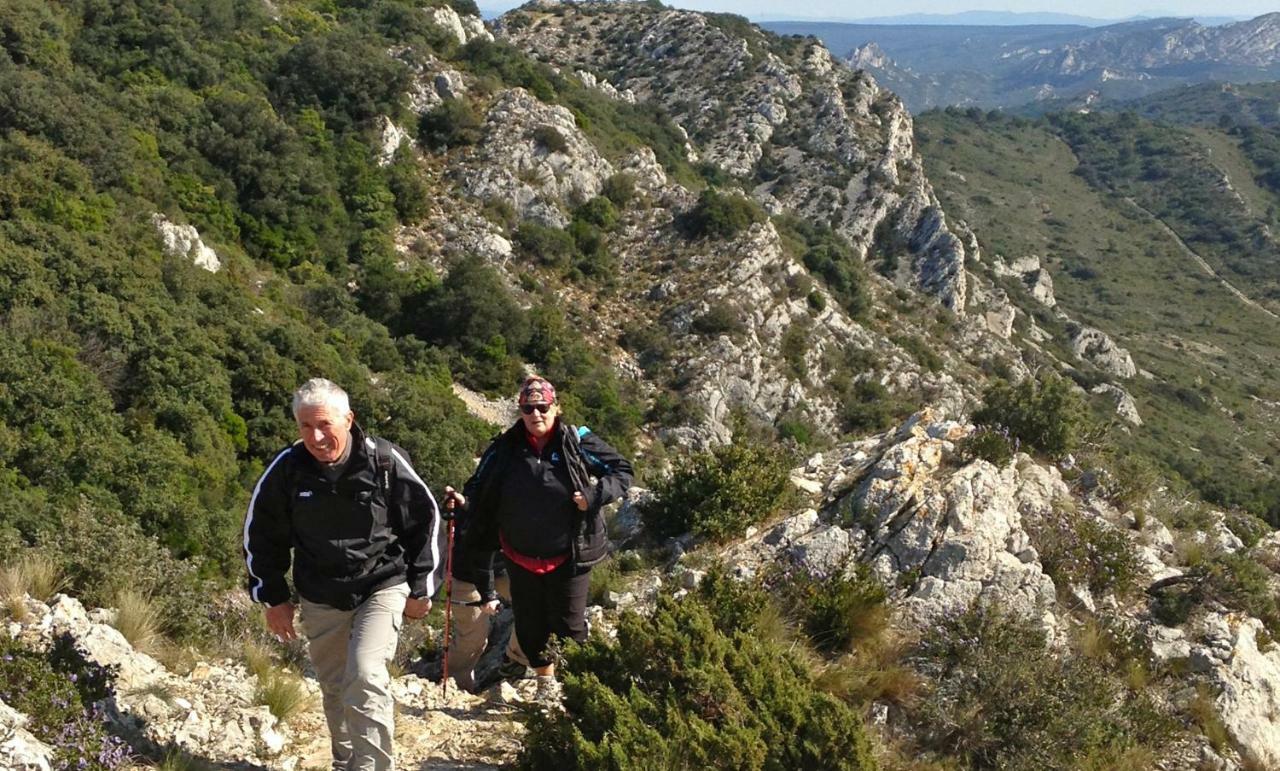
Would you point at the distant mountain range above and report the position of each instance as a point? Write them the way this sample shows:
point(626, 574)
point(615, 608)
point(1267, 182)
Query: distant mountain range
point(1009, 66)
point(1012, 19)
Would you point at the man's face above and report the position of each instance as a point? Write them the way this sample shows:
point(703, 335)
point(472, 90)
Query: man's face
point(536, 421)
point(325, 431)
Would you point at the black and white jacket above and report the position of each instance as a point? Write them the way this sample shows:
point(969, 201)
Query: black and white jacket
point(373, 527)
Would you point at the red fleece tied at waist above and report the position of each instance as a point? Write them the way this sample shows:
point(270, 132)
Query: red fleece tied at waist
point(538, 391)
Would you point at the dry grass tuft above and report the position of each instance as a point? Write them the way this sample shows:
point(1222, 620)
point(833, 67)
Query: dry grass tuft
point(138, 619)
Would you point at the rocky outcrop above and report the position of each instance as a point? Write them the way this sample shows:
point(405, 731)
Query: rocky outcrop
point(1126, 407)
point(1035, 278)
point(1247, 680)
point(837, 148)
point(184, 241)
point(392, 137)
point(1096, 347)
point(19, 750)
point(212, 712)
point(535, 158)
point(463, 28)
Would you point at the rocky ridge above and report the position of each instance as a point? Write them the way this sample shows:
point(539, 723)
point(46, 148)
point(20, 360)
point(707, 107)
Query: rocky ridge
point(940, 532)
point(861, 135)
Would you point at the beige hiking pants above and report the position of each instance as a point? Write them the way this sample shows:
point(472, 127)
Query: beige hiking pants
point(350, 650)
point(471, 631)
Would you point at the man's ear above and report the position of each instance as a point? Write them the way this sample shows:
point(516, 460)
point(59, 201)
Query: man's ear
point(351, 418)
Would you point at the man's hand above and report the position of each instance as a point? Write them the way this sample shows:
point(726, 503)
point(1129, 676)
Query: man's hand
point(415, 608)
point(579, 500)
point(490, 608)
point(453, 499)
point(280, 621)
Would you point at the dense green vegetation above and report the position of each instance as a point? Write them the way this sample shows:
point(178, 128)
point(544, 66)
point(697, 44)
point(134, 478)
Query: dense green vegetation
point(706, 681)
point(717, 494)
point(143, 395)
point(1108, 202)
point(1002, 699)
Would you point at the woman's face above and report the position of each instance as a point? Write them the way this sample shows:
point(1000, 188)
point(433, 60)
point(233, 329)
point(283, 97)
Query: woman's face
point(536, 421)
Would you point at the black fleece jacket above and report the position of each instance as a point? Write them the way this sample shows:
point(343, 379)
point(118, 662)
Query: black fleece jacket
point(345, 538)
point(528, 497)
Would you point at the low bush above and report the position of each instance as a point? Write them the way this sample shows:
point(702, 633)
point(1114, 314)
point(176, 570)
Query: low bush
point(454, 123)
point(620, 189)
point(1046, 415)
point(551, 139)
point(57, 691)
point(720, 318)
point(990, 444)
point(1076, 548)
point(552, 247)
point(999, 698)
point(718, 494)
point(1236, 581)
point(867, 406)
point(720, 215)
point(837, 613)
point(697, 684)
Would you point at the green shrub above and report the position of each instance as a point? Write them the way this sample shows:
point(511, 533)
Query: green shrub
point(925, 356)
point(1233, 580)
point(998, 698)
point(1248, 528)
point(454, 123)
point(550, 138)
point(620, 189)
point(990, 444)
point(720, 215)
point(599, 211)
point(837, 613)
point(720, 318)
point(1131, 480)
point(717, 494)
point(697, 684)
point(57, 691)
point(867, 406)
point(1079, 549)
point(552, 247)
point(1048, 416)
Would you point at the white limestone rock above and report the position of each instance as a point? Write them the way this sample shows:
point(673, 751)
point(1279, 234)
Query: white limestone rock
point(392, 138)
point(19, 750)
point(538, 180)
point(1249, 697)
point(960, 531)
point(184, 241)
point(1095, 346)
point(463, 28)
point(1126, 407)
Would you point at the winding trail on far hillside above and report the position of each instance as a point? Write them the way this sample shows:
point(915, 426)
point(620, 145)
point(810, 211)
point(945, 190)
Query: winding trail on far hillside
point(1204, 265)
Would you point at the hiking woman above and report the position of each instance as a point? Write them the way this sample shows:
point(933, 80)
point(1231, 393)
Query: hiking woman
point(537, 495)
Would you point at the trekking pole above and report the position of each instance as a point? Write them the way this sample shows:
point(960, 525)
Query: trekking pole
point(448, 598)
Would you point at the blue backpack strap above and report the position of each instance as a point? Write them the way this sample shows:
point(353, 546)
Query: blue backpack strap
point(587, 455)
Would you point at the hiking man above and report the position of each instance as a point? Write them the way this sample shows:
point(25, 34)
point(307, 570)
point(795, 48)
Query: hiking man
point(363, 532)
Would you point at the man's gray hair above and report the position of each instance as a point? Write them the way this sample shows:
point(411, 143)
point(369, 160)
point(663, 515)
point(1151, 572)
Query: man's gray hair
point(318, 392)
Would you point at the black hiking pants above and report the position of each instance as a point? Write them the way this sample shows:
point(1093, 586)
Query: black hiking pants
point(547, 604)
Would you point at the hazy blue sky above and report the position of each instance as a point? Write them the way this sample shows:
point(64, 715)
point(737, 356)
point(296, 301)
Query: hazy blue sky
point(836, 9)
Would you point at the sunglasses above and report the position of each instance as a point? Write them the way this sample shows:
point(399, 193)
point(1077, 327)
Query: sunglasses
point(529, 408)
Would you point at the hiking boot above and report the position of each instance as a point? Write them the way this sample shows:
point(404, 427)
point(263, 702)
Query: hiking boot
point(547, 691)
point(512, 670)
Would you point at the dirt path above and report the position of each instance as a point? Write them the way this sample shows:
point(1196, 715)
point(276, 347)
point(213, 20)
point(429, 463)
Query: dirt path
point(432, 732)
point(1204, 265)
